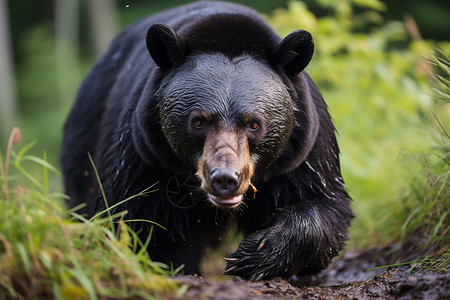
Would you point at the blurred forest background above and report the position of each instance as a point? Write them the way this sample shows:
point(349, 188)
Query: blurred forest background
point(370, 64)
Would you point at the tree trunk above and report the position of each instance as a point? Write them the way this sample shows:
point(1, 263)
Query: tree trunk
point(103, 16)
point(7, 82)
point(67, 46)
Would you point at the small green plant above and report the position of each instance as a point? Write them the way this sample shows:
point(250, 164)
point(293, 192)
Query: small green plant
point(428, 202)
point(440, 264)
point(441, 80)
point(47, 251)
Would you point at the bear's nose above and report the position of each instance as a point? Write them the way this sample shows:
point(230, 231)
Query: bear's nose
point(224, 181)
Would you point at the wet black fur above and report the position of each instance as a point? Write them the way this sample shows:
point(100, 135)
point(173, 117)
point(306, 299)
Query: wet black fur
point(301, 211)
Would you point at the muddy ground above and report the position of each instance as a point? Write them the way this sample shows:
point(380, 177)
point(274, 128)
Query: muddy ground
point(346, 278)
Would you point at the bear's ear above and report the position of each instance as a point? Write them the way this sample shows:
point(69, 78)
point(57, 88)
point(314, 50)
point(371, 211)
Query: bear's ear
point(165, 46)
point(294, 52)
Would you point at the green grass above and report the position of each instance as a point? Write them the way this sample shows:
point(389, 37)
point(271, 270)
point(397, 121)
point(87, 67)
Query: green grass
point(440, 264)
point(47, 251)
point(423, 211)
point(427, 202)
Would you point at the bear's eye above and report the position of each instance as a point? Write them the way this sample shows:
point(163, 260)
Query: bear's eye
point(254, 126)
point(198, 123)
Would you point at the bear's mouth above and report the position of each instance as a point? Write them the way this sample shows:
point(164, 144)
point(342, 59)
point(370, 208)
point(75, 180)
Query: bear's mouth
point(226, 202)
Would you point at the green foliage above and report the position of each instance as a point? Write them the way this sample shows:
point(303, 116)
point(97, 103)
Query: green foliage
point(427, 205)
point(427, 202)
point(47, 83)
point(441, 79)
point(374, 79)
point(47, 251)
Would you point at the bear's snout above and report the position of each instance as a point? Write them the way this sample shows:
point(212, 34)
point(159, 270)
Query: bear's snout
point(225, 168)
point(225, 182)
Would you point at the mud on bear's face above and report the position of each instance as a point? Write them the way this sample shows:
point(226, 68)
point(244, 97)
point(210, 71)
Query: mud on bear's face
point(227, 118)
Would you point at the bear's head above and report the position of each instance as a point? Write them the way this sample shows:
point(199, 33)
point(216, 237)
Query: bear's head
point(226, 110)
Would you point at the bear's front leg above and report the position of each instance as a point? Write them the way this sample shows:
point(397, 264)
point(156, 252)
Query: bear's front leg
point(302, 240)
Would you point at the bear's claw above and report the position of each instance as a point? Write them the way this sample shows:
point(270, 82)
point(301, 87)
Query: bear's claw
point(260, 246)
point(261, 276)
point(231, 259)
point(231, 269)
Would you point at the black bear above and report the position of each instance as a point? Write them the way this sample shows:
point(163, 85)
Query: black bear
point(209, 104)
